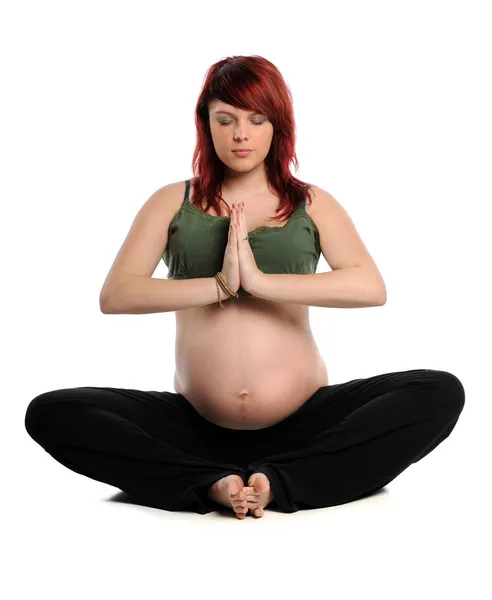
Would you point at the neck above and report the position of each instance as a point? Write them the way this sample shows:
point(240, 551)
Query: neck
point(253, 182)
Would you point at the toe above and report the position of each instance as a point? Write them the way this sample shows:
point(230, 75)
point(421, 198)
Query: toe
point(234, 487)
point(237, 495)
point(240, 510)
point(259, 481)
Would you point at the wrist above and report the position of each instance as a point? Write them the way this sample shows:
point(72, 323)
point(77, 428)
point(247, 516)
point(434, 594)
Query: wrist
point(223, 295)
point(224, 292)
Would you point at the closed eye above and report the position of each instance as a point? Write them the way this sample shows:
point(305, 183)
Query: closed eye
point(254, 122)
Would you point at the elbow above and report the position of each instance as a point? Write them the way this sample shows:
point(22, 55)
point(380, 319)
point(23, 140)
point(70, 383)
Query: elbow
point(111, 300)
point(103, 307)
point(104, 304)
point(374, 287)
point(381, 297)
point(379, 291)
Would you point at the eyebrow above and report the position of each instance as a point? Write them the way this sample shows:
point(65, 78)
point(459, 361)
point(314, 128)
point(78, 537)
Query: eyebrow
point(232, 115)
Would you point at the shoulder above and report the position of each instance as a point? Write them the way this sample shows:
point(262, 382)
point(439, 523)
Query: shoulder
point(321, 200)
point(170, 196)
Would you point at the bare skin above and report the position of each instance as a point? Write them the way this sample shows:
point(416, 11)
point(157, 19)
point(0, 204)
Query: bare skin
point(230, 491)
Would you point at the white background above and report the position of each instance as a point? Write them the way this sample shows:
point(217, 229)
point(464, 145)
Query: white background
point(392, 104)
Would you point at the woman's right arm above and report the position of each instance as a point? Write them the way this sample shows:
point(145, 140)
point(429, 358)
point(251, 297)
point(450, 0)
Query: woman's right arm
point(138, 294)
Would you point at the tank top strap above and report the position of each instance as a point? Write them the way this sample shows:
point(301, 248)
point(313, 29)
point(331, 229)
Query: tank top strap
point(187, 192)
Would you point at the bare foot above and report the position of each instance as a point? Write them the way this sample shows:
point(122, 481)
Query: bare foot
point(230, 491)
point(260, 483)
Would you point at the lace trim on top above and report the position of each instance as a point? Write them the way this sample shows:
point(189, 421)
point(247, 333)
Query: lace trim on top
point(187, 205)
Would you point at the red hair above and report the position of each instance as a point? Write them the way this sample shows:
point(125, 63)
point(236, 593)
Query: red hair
point(250, 83)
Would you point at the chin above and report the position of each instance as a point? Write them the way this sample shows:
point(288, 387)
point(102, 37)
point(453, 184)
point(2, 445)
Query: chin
point(245, 167)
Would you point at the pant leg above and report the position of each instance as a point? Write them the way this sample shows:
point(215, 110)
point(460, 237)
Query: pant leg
point(147, 443)
point(354, 438)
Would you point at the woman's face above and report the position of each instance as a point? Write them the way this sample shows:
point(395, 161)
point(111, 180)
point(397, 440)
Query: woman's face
point(232, 128)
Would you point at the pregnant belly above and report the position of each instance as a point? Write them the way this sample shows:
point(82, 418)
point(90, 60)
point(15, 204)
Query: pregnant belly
point(248, 377)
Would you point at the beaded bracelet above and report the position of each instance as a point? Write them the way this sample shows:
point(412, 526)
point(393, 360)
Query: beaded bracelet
point(221, 280)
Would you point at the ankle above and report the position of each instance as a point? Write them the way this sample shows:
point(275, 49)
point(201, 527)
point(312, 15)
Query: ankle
point(212, 490)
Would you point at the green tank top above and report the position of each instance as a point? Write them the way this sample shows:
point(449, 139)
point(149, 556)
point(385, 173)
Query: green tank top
point(197, 242)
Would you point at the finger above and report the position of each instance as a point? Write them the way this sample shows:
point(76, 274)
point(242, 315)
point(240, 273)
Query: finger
point(245, 228)
point(234, 220)
point(242, 223)
point(238, 225)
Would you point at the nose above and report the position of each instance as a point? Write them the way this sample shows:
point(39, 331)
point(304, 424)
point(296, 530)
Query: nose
point(240, 132)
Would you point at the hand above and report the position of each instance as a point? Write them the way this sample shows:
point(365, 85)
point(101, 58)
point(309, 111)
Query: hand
point(230, 266)
point(249, 274)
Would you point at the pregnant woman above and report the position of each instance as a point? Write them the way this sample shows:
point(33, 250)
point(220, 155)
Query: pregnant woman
point(253, 420)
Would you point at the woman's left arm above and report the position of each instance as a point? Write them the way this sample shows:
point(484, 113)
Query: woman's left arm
point(352, 287)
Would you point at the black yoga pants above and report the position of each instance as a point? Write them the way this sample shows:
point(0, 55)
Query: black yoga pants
point(346, 441)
